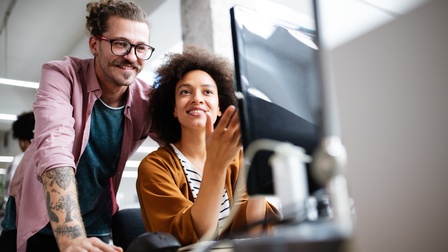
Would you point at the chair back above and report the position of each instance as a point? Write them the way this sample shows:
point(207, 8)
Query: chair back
point(127, 224)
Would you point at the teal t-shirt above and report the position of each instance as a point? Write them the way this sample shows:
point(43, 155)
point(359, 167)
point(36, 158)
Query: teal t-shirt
point(97, 165)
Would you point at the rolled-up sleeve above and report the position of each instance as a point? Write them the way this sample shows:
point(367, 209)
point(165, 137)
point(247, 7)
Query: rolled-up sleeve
point(54, 129)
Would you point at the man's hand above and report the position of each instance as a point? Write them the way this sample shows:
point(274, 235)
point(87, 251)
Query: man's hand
point(92, 244)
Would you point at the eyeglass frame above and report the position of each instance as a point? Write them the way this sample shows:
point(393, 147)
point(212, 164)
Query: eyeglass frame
point(111, 41)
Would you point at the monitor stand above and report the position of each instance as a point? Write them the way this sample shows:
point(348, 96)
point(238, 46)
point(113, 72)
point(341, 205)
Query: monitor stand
point(302, 232)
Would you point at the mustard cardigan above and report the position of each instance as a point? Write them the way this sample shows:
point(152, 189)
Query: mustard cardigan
point(166, 199)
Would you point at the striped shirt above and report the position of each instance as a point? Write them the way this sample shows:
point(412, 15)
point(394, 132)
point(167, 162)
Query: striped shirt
point(194, 178)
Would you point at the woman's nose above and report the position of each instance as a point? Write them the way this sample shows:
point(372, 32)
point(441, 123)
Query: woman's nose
point(197, 98)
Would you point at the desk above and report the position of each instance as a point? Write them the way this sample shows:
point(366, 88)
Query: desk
point(273, 244)
point(284, 244)
point(283, 241)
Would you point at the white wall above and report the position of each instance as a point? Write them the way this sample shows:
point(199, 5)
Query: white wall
point(392, 90)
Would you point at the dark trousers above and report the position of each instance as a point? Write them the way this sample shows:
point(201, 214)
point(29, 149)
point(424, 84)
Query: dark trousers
point(8, 241)
point(35, 243)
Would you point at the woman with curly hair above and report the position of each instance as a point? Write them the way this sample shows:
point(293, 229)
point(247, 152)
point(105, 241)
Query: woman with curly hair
point(186, 187)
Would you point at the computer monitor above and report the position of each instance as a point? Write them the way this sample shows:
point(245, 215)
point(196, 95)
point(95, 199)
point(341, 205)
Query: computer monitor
point(278, 84)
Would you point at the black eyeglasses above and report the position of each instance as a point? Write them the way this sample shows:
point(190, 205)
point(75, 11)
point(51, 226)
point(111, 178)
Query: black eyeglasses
point(122, 47)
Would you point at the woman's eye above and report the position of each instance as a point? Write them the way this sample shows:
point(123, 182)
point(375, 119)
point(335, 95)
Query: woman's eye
point(184, 92)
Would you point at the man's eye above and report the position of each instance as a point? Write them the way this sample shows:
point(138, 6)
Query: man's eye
point(142, 48)
point(122, 44)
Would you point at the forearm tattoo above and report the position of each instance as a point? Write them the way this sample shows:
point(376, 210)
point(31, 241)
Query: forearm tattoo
point(62, 202)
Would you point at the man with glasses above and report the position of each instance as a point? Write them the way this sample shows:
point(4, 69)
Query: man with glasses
point(91, 116)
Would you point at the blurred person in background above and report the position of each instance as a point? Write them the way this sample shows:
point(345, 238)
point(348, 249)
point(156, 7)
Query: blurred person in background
point(22, 130)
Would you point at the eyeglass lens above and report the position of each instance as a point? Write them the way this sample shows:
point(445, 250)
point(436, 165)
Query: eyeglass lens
point(122, 47)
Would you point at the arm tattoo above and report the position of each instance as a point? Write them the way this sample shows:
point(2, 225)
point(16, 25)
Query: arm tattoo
point(51, 214)
point(61, 178)
point(70, 231)
point(56, 181)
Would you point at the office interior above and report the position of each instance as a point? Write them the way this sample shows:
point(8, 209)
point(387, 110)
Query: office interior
point(388, 66)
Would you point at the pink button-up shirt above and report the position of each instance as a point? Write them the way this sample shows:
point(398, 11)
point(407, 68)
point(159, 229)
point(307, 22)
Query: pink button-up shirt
point(64, 102)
